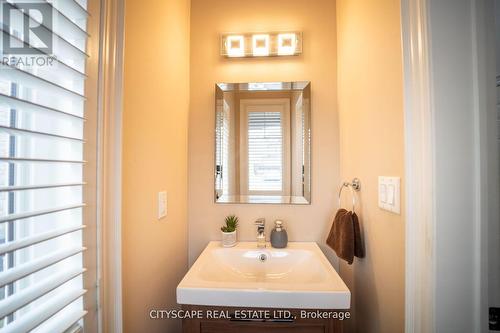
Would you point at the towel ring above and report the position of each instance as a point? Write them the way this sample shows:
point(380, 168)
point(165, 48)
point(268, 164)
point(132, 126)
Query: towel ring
point(354, 185)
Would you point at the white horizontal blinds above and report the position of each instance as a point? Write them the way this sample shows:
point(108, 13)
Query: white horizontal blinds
point(41, 169)
point(225, 149)
point(304, 146)
point(265, 151)
point(222, 148)
point(218, 147)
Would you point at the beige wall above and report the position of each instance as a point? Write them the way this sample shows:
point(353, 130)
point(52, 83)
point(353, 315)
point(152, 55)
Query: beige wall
point(155, 140)
point(371, 130)
point(317, 64)
point(156, 102)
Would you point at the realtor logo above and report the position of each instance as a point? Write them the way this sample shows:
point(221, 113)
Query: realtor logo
point(31, 23)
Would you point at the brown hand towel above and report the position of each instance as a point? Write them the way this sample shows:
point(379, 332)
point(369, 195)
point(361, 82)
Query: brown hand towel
point(345, 236)
point(359, 249)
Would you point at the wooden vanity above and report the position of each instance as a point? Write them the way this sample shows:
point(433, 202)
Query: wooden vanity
point(260, 320)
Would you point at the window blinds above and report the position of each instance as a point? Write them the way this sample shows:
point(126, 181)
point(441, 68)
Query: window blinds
point(222, 148)
point(225, 149)
point(41, 168)
point(265, 151)
point(218, 147)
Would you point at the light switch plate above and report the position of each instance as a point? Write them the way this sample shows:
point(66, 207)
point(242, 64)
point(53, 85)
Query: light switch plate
point(162, 204)
point(389, 194)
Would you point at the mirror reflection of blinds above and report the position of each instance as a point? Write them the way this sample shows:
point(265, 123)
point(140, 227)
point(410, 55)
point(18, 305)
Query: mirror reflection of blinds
point(41, 175)
point(225, 149)
point(222, 149)
point(218, 150)
point(303, 119)
point(265, 151)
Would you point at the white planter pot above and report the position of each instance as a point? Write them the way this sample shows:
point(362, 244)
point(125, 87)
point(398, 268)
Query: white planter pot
point(228, 239)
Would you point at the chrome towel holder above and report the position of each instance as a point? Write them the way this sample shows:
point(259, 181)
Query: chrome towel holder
point(354, 185)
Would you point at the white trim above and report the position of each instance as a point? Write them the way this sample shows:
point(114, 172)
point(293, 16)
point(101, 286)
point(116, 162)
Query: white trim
point(485, 150)
point(92, 213)
point(419, 161)
point(449, 89)
point(111, 91)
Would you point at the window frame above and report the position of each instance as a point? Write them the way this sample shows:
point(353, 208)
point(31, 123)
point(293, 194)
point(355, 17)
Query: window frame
point(91, 171)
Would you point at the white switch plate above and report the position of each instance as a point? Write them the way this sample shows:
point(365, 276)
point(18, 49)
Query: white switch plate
point(389, 194)
point(162, 204)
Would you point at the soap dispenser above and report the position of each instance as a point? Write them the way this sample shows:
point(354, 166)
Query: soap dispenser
point(279, 237)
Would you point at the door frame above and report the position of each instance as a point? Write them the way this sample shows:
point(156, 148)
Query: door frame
point(110, 163)
point(429, 66)
point(419, 171)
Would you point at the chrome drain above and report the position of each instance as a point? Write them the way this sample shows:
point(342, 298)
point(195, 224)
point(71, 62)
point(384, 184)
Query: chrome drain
point(263, 257)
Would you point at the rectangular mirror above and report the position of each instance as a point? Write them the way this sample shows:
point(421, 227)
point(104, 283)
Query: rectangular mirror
point(263, 143)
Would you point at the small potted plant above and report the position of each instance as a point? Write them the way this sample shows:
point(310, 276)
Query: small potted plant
point(229, 231)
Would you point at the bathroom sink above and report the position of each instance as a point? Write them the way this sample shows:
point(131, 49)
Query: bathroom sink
point(298, 276)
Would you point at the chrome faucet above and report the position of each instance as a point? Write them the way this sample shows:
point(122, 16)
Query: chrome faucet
point(261, 236)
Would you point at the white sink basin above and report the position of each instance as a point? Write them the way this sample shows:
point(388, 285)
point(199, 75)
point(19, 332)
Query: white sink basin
point(299, 276)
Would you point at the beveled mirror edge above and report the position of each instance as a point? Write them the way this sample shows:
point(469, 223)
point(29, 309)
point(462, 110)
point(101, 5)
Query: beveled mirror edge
point(263, 86)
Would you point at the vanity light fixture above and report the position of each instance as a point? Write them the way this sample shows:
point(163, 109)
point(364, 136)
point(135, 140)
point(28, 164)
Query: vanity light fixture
point(241, 45)
point(235, 46)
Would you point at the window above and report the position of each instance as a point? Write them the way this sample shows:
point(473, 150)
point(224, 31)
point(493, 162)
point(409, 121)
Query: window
point(265, 146)
point(43, 214)
point(265, 151)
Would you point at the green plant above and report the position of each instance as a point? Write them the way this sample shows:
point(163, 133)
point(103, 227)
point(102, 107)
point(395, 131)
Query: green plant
point(231, 224)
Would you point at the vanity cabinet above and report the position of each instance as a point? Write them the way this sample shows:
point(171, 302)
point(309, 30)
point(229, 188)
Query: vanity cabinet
point(293, 324)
